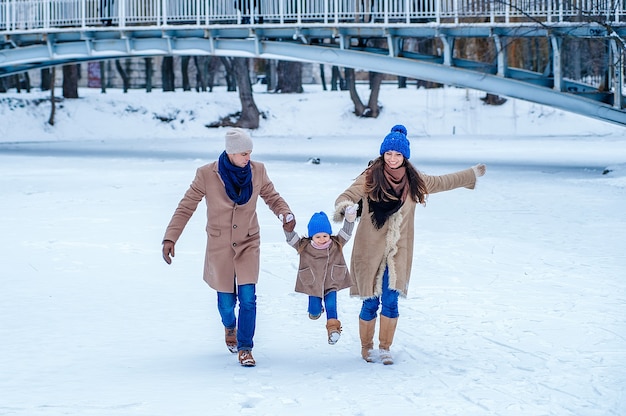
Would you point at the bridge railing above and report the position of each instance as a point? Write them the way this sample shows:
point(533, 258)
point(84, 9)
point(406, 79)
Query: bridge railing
point(20, 15)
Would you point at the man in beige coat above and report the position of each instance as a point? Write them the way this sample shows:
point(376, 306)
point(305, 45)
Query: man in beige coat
point(231, 187)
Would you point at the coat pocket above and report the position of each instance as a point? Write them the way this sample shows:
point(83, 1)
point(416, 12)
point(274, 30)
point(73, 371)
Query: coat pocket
point(338, 272)
point(306, 276)
point(213, 232)
point(253, 231)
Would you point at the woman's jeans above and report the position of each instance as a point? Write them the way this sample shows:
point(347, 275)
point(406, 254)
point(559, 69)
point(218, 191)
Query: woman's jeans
point(330, 300)
point(389, 299)
point(246, 323)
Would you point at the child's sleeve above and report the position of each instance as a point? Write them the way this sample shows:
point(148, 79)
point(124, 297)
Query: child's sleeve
point(346, 231)
point(292, 238)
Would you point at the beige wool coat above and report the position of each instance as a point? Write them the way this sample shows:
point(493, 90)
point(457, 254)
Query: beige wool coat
point(232, 254)
point(322, 270)
point(392, 245)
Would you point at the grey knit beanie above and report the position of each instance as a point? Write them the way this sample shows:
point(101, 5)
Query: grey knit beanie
point(237, 141)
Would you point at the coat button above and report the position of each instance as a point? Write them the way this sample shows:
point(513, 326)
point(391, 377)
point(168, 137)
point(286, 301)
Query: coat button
point(234, 244)
point(235, 226)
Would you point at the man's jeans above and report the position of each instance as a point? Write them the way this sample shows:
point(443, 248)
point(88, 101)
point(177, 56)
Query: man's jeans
point(246, 323)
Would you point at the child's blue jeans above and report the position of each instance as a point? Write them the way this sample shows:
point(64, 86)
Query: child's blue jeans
point(330, 301)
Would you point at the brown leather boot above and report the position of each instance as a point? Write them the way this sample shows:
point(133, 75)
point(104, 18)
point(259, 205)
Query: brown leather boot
point(333, 326)
point(366, 331)
point(231, 339)
point(387, 331)
point(246, 359)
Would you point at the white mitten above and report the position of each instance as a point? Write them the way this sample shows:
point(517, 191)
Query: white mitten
point(479, 169)
point(288, 219)
point(350, 213)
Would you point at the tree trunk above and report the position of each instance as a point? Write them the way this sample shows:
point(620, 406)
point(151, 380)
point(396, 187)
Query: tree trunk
point(372, 109)
point(249, 112)
point(359, 107)
point(271, 76)
point(149, 72)
point(493, 99)
point(124, 74)
point(70, 81)
point(376, 79)
point(289, 77)
point(52, 98)
point(199, 62)
point(184, 68)
point(231, 77)
point(323, 77)
point(103, 77)
point(45, 79)
point(167, 72)
point(213, 65)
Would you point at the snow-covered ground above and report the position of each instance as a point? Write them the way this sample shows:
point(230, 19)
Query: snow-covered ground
point(517, 299)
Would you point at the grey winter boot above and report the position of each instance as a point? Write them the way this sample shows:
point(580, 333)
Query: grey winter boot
point(366, 331)
point(387, 331)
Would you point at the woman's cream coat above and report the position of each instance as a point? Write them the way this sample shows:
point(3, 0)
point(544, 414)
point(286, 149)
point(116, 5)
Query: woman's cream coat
point(391, 245)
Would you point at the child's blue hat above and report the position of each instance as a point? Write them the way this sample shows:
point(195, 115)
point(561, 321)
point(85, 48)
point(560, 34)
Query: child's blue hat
point(319, 223)
point(397, 141)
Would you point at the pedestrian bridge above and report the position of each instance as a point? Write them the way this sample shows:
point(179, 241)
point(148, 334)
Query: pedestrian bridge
point(363, 34)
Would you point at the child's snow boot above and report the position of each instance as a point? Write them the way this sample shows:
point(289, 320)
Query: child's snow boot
point(333, 326)
point(366, 331)
point(387, 331)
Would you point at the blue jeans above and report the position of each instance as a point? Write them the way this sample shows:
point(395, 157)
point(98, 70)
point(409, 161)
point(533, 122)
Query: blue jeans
point(389, 299)
point(246, 323)
point(330, 300)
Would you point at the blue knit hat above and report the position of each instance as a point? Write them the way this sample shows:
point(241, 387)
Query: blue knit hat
point(397, 141)
point(319, 224)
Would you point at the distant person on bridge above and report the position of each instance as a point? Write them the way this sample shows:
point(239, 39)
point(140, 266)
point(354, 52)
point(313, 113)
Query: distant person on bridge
point(231, 187)
point(387, 193)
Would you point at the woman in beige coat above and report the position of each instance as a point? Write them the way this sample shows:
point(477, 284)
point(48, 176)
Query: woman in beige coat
point(388, 192)
point(231, 187)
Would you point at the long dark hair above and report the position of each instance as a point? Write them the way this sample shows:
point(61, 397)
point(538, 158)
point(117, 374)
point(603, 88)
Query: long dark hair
point(376, 186)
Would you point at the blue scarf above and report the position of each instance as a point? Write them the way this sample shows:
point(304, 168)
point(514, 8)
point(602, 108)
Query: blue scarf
point(237, 181)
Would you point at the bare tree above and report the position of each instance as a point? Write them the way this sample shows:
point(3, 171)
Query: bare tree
point(149, 73)
point(167, 71)
point(249, 115)
point(52, 97)
point(184, 68)
point(70, 81)
point(289, 77)
point(124, 73)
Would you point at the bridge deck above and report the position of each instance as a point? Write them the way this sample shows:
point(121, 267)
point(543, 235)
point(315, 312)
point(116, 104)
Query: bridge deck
point(41, 33)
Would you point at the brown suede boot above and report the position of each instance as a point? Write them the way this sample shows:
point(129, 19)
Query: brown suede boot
point(231, 339)
point(387, 331)
point(333, 326)
point(366, 331)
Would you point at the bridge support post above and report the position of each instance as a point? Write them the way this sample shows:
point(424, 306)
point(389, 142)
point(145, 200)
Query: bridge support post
point(616, 70)
point(501, 56)
point(448, 44)
point(557, 67)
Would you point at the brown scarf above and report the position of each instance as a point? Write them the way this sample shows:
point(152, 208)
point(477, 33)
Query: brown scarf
point(398, 181)
point(399, 186)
